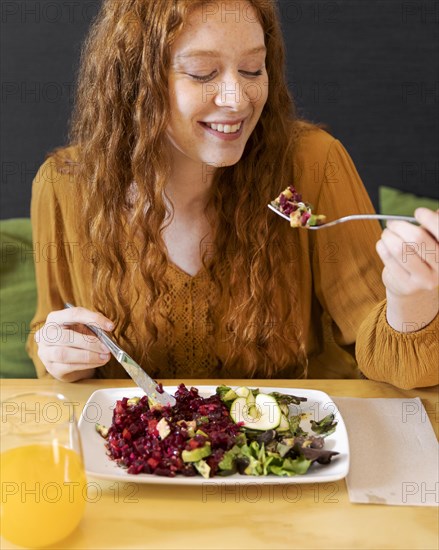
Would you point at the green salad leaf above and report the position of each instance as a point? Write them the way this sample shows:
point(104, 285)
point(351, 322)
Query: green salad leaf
point(324, 427)
point(286, 399)
point(255, 460)
point(285, 449)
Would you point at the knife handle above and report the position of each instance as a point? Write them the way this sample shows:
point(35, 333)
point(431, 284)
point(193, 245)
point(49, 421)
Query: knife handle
point(102, 336)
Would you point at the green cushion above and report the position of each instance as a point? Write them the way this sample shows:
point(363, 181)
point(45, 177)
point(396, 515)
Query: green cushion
point(393, 201)
point(18, 296)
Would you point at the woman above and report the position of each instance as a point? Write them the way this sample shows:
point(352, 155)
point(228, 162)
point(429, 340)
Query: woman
point(155, 220)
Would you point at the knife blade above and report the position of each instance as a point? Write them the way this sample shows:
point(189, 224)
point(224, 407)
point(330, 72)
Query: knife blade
point(134, 370)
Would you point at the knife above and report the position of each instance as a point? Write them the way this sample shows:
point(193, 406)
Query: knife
point(135, 371)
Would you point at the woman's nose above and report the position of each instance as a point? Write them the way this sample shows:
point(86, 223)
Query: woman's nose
point(234, 93)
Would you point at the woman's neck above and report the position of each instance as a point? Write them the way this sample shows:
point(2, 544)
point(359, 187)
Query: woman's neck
point(190, 224)
point(189, 188)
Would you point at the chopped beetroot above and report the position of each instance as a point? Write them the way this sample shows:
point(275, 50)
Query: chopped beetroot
point(290, 203)
point(134, 443)
point(304, 218)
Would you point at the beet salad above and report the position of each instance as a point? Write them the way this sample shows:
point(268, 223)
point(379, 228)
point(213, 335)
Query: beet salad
point(235, 431)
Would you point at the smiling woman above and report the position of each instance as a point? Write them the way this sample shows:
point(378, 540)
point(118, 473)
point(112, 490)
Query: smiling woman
point(156, 214)
point(229, 107)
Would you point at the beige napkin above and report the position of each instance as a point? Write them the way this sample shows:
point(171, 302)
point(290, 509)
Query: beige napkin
point(394, 452)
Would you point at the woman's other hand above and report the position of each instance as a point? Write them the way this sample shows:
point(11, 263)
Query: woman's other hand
point(410, 255)
point(67, 348)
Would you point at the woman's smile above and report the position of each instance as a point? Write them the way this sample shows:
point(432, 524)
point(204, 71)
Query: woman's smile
point(224, 130)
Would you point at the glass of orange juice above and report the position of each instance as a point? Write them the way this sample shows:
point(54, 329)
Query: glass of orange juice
point(41, 469)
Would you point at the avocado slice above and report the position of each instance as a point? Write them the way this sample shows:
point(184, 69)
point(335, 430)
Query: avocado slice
point(197, 454)
point(203, 468)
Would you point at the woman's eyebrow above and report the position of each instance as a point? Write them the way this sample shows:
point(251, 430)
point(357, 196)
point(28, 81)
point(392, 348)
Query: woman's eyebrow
point(215, 53)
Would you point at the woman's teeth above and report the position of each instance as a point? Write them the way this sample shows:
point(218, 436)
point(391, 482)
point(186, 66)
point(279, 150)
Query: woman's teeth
point(225, 128)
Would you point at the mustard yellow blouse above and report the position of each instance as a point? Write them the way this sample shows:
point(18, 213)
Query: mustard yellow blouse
point(342, 295)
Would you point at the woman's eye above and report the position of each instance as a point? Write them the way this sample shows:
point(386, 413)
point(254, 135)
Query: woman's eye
point(257, 73)
point(202, 78)
point(206, 78)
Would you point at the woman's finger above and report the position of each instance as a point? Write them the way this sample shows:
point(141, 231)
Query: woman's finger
point(74, 356)
point(415, 242)
point(403, 276)
point(406, 255)
point(394, 276)
point(429, 219)
point(80, 315)
point(57, 335)
point(68, 350)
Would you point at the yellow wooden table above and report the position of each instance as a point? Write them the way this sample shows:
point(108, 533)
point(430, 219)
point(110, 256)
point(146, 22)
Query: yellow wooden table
point(244, 517)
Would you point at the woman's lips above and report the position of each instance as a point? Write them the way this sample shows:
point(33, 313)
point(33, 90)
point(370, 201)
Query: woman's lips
point(222, 135)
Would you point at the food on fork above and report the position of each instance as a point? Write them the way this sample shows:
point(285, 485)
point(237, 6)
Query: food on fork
point(290, 202)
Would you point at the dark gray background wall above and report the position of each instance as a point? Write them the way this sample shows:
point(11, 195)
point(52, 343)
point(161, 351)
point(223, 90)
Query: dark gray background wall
point(367, 68)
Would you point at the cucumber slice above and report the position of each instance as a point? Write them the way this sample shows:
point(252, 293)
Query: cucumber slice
point(239, 409)
point(268, 412)
point(253, 411)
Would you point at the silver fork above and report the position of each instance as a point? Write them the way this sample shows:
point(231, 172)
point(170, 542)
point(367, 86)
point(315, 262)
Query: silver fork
point(348, 218)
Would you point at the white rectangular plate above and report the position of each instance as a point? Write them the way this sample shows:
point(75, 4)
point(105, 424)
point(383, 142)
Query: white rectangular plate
point(100, 405)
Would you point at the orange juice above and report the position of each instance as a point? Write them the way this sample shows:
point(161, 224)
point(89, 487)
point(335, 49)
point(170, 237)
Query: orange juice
point(42, 494)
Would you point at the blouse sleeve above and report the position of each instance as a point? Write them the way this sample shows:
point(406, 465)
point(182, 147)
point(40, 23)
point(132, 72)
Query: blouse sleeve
point(51, 266)
point(407, 360)
point(348, 284)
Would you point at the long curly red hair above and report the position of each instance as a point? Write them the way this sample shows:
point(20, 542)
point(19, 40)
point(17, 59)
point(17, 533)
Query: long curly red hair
point(119, 129)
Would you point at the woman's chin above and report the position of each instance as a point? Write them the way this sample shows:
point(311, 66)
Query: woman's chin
point(224, 161)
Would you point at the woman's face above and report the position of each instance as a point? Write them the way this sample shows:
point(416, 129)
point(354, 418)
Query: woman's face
point(218, 84)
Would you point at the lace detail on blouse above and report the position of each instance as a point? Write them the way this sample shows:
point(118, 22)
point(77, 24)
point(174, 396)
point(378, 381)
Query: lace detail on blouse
point(188, 346)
